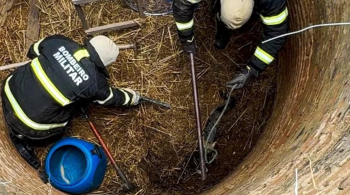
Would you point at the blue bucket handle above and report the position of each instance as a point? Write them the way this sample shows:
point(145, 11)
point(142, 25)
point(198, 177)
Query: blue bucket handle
point(96, 151)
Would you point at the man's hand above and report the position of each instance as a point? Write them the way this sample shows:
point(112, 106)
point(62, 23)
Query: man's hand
point(134, 97)
point(189, 45)
point(242, 78)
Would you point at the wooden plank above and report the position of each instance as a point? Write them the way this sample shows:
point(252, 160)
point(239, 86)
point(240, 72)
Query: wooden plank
point(120, 46)
point(13, 65)
point(33, 25)
point(111, 27)
point(82, 2)
point(5, 6)
point(127, 46)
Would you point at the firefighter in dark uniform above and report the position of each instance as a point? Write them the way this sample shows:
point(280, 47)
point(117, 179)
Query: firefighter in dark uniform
point(231, 15)
point(40, 98)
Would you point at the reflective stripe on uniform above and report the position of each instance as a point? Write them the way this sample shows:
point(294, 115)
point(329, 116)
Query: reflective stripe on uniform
point(263, 55)
point(184, 26)
point(22, 116)
point(80, 54)
point(36, 47)
point(275, 20)
point(107, 99)
point(194, 1)
point(47, 84)
point(126, 96)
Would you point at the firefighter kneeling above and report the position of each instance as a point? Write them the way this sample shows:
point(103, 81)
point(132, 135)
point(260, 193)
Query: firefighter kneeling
point(40, 98)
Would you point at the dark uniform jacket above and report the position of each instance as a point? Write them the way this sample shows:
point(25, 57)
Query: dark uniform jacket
point(274, 15)
point(40, 98)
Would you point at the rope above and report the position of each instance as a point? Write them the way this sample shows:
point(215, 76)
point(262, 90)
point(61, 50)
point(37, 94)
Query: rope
point(307, 28)
point(212, 130)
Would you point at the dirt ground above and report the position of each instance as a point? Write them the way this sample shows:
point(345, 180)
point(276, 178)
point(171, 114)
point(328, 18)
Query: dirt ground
point(152, 145)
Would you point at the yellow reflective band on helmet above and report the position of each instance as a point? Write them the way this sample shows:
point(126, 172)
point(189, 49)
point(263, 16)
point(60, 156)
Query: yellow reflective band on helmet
point(47, 84)
point(275, 20)
point(184, 26)
point(80, 54)
point(107, 99)
point(126, 96)
point(22, 116)
point(194, 1)
point(36, 47)
point(263, 56)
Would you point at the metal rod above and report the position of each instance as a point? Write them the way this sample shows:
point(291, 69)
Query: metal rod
point(140, 8)
point(127, 46)
point(159, 103)
point(127, 186)
point(198, 117)
point(111, 27)
point(81, 16)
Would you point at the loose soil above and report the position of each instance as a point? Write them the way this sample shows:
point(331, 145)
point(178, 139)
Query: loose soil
point(152, 145)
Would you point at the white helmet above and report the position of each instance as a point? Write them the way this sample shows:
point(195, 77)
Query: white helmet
point(106, 49)
point(235, 13)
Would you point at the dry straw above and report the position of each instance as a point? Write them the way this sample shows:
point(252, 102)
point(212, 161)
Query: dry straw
point(151, 145)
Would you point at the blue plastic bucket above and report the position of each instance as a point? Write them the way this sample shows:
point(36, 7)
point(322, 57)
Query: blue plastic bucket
point(75, 166)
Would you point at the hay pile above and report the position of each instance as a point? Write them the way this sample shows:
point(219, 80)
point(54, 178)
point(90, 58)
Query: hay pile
point(150, 144)
point(151, 7)
point(5, 5)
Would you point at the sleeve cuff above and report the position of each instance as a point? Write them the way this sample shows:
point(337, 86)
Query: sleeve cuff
point(254, 69)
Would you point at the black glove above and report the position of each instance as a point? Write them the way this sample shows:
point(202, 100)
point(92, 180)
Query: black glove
point(188, 45)
point(215, 6)
point(242, 79)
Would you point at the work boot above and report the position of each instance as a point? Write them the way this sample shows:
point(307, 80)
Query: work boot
point(26, 152)
point(222, 35)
